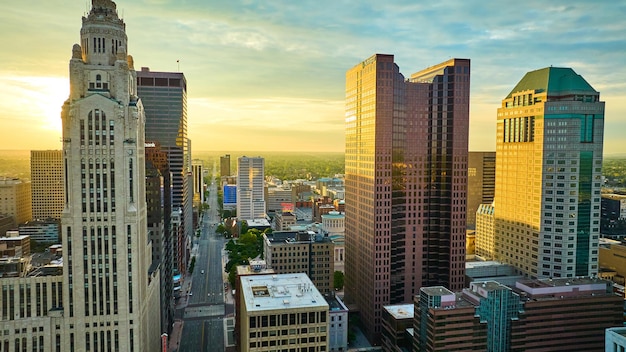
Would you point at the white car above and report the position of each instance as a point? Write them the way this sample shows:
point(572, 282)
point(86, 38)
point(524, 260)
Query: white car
point(191, 293)
point(202, 272)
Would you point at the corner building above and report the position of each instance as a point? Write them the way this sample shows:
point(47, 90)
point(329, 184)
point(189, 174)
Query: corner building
point(406, 182)
point(110, 299)
point(549, 141)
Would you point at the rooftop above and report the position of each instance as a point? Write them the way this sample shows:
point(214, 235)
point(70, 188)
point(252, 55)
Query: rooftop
point(400, 311)
point(437, 291)
point(335, 303)
point(280, 291)
point(554, 80)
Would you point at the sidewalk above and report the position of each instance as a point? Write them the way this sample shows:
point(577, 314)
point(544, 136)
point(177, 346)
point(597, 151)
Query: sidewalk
point(177, 332)
point(177, 329)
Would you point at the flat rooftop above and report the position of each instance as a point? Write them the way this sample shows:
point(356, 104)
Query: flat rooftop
point(335, 303)
point(400, 311)
point(437, 291)
point(280, 291)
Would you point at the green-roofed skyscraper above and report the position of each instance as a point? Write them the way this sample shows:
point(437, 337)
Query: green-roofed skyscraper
point(548, 175)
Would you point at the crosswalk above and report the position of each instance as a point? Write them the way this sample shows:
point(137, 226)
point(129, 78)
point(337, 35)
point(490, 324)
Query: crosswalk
point(204, 311)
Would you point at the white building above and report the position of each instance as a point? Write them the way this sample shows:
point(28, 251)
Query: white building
point(282, 312)
point(250, 188)
point(334, 225)
point(110, 299)
point(338, 329)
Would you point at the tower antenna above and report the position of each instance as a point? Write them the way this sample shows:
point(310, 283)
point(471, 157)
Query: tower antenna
point(178, 64)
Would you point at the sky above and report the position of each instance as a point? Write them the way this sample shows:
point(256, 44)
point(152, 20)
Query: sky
point(269, 75)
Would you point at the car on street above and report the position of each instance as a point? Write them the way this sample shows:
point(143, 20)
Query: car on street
point(201, 271)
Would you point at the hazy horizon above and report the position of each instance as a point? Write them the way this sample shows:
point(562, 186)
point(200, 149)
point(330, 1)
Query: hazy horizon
point(271, 75)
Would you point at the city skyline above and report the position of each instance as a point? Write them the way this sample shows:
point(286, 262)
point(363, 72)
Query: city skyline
point(279, 68)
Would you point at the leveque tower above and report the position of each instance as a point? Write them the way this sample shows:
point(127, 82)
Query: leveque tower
point(111, 290)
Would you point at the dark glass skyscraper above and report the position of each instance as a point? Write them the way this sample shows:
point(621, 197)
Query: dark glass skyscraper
point(406, 179)
point(164, 96)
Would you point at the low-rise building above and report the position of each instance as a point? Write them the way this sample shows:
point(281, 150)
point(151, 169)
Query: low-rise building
point(301, 252)
point(338, 329)
point(282, 312)
point(396, 320)
point(42, 230)
point(565, 314)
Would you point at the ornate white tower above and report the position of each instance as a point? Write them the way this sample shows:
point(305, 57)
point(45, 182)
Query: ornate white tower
point(110, 291)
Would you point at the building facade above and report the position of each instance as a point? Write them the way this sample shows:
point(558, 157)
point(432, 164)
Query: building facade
point(110, 298)
point(548, 175)
point(198, 182)
point(613, 215)
point(289, 252)
point(481, 183)
point(164, 97)
point(46, 181)
point(250, 188)
point(282, 312)
point(485, 243)
point(530, 315)
point(15, 199)
point(45, 231)
point(225, 165)
point(406, 170)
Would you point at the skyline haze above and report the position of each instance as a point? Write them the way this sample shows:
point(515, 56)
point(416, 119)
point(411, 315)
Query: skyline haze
point(278, 68)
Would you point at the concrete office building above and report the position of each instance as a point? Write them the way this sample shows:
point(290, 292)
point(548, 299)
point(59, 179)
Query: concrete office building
point(282, 312)
point(396, 320)
point(45, 231)
point(31, 314)
point(538, 315)
point(197, 170)
point(613, 215)
point(283, 221)
point(15, 199)
point(338, 324)
point(548, 175)
point(164, 97)
point(481, 183)
point(46, 181)
point(406, 174)
point(334, 226)
point(225, 165)
point(612, 259)
point(277, 199)
point(250, 188)
point(7, 223)
point(301, 252)
point(110, 291)
point(485, 241)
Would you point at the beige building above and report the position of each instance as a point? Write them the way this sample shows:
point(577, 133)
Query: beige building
point(485, 245)
point(549, 139)
point(613, 260)
point(282, 312)
point(284, 220)
point(15, 199)
point(481, 182)
point(46, 176)
point(110, 290)
point(31, 314)
point(301, 252)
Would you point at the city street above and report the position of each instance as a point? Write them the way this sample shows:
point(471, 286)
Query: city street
point(204, 311)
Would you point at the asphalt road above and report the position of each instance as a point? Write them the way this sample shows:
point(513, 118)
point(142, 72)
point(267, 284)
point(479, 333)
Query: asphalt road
point(204, 315)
